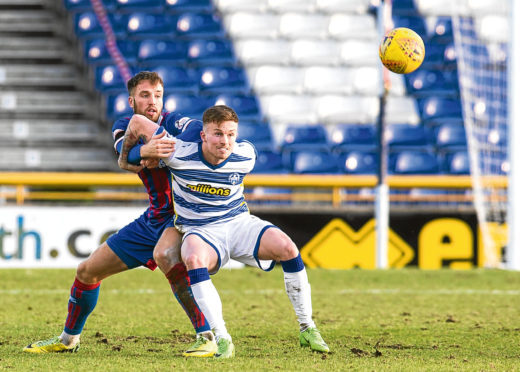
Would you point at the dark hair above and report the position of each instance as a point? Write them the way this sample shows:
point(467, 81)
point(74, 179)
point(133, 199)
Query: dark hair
point(153, 77)
point(218, 114)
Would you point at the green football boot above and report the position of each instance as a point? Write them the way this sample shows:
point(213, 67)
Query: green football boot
point(311, 337)
point(52, 345)
point(226, 349)
point(204, 347)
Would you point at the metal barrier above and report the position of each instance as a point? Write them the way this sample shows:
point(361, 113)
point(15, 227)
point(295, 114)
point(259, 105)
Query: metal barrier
point(22, 187)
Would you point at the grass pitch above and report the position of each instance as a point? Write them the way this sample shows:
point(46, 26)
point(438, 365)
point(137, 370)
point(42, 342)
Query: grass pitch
point(397, 320)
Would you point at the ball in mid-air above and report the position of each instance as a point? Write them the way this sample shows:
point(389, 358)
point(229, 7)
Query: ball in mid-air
point(402, 50)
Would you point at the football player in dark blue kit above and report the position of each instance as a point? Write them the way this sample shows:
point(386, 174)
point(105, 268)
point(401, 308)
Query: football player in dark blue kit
point(133, 245)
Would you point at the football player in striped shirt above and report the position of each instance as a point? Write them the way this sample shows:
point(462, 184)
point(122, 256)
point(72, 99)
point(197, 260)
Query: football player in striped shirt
point(211, 212)
point(133, 245)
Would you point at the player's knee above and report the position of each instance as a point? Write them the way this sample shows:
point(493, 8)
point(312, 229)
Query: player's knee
point(194, 261)
point(166, 257)
point(84, 274)
point(287, 250)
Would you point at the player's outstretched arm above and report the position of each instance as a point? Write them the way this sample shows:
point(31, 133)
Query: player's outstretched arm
point(139, 127)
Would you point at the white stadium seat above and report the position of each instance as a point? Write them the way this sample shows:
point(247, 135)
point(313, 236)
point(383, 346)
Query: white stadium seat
point(250, 25)
point(485, 7)
point(353, 26)
point(229, 6)
point(493, 28)
point(360, 52)
point(282, 108)
point(401, 110)
point(300, 25)
point(336, 109)
point(315, 52)
point(367, 81)
point(263, 51)
point(350, 6)
point(277, 79)
point(329, 80)
point(283, 6)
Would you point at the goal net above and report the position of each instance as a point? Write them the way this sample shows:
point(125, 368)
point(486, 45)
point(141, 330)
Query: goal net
point(481, 48)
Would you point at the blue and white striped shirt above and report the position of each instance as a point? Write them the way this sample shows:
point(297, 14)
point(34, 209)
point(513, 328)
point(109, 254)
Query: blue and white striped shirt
point(204, 193)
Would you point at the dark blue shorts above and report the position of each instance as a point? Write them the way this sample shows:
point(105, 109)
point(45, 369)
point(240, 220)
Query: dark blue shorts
point(135, 242)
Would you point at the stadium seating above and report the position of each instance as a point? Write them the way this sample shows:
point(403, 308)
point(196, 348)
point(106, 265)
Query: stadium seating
point(223, 79)
point(256, 133)
point(308, 52)
point(271, 79)
point(75, 6)
point(346, 137)
point(353, 26)
point(300, 25)
point(358, 162)
point(450, 136)
point(439, 30)
point(284, 6)
point(199, 25)
point(298, 138)
point(269, 162)
point(96, 51)
point(108, 79)
point(413, 162)
point(406, 136)
point(437, 107)
point(161, 52)
point(252, 52)
point(183, 6)
point(149, 6)
point(149, 25)
point(86, 25)
point(178, 79)
point(211, 52)
point(246, 106)
point(189, 105)
point(456, 163)
point(317, 162)
point(232, 6)
point(424, 83)
point(347, 6)
point(336, 109)
point(117, 106)
point(251, 25)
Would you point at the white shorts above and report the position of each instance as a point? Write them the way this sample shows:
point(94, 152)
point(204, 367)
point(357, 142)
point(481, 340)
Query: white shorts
point(238, 238)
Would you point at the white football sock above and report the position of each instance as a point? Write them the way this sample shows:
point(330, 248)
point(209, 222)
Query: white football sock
point(299, 291)
point(69, 340)
point(207, 298)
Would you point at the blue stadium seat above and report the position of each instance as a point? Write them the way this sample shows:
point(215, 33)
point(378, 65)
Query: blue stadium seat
point(358, 162)
point(75, 6)
point(316, 162)
point(149, 25)
point(246, 106)
point(438, 107)
point(86, 25)
point(354, 136)
point(117, 106)
point(154, 52)
point(423, 83)
point(149, 6)
point(96, 51)
point(302, 137)
point(258, 134)
point(450, 136)
point(199, 25)
point(178, 79)
point(221, 79)
point(269, 162)
point(415, 23)
point(183, 6)
point(413, 162)
point(439, 30)
point(406, 136)
point(456, 162)
point(108, 79)
point(211, 52)
point(304, 134)
point(404, 7)
point(188, 105)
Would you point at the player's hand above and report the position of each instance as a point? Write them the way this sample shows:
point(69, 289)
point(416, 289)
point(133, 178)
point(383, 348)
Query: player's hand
point(158, 147)
point(150, 163)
